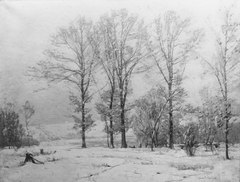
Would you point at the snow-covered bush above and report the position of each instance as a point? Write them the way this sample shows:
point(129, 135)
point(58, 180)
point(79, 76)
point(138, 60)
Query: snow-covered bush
point(190, 139)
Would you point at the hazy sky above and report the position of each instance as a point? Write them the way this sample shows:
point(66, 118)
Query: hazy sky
point(25, 30)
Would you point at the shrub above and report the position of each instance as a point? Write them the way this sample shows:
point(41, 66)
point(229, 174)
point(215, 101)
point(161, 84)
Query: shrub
point(190, 139)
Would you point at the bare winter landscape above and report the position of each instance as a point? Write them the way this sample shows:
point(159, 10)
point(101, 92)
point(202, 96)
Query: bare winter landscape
point(64, 160)
point(120, 91)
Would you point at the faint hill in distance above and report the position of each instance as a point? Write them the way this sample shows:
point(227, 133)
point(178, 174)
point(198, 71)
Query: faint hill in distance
point(49, 132)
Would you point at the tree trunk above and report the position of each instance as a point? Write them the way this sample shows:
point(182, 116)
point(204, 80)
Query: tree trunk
point(170, 124)
point(122, 104)
point(108, 137)
point(1, 130)
point(226, 140)
point(156, 138)
point(123, 131)
point(226, 104)
point(111, 118)
point(152, 139)
point(111, 133)
point(83, 137)
point(83, 127)
point(152, 142)
point(226, 127)
point(170, 83)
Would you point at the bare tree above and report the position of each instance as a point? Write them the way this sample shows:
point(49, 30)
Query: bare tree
point(73, 60)
point(108, 63)
point(27, 112)
point(170, 47)
point(224, 63)
point(123, 39)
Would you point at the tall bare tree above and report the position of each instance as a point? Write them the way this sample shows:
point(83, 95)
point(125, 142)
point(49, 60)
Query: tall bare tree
point(108, 63)
point(224, 63)
point(171, 46)
point(123, 49)
point(73, 60)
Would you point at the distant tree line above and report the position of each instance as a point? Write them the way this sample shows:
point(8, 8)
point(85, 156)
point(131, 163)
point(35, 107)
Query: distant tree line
point(120, 45)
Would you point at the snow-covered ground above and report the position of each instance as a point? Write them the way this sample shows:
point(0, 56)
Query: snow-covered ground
point(66, 161)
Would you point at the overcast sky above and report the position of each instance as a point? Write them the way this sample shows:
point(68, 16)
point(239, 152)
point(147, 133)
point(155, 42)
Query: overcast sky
point(26, 26)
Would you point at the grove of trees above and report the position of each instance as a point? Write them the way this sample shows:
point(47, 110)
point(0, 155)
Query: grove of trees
point(12, 131)
point(120, 45)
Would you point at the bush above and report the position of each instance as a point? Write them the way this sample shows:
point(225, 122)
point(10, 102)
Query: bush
point(190, 139)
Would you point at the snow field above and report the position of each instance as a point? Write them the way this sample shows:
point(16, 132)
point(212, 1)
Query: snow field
point(71, 163)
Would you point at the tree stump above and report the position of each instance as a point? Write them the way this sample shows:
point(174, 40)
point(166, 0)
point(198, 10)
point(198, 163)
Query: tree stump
point(29, 158)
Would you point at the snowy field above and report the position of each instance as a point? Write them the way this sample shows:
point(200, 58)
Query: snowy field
point(71, 163)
